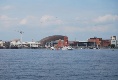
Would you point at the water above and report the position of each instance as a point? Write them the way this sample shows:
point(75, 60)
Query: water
point(37, 64)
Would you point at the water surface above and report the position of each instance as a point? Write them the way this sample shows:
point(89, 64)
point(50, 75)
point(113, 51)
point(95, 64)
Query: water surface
point(40, 64)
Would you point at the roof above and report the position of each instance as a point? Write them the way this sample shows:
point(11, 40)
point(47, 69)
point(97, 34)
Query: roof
point(51, 38)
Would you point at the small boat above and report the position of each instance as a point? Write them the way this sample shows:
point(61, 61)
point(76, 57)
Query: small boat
point(52, 48)
point(67, 48)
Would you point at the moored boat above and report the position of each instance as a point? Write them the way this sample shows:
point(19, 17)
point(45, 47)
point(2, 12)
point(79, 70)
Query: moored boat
point(67, 48)
point(52, 48)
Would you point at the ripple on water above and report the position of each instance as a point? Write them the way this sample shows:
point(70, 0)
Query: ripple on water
point(31, 64)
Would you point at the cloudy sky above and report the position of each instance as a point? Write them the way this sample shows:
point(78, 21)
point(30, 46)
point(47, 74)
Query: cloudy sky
point(77, 19)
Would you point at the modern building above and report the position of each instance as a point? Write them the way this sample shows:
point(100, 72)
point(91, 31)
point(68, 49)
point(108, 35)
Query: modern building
point(77, 44)
point(51, 40)
point(114, 41)
point(97, 41)
point(33, 44)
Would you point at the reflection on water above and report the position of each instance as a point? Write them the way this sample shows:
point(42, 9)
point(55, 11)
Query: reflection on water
point(36, 64)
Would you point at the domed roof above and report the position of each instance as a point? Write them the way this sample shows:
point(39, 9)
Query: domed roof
point(51, 38)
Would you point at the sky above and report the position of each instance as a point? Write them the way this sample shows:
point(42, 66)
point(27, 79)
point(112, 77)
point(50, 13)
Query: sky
point(77, 19)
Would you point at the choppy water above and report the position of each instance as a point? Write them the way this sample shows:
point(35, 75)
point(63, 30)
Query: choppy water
point(36, 64)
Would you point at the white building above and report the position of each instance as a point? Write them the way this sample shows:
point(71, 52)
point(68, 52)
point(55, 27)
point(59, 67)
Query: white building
point(33, 44)
point(1, 43)
point(15, 42)
point(114, 41)
point(18, 43)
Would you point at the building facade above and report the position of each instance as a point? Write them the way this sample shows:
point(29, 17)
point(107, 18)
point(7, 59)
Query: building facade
point(97, 41)
point(106, 43)
point(1, 44)
point(114, 41)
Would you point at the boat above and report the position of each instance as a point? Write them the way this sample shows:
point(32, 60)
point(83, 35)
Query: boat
point(67, 48)
point(52, 48)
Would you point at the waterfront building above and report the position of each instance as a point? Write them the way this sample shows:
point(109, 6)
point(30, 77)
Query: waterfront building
point(6, 44)
point(106, 43)
point(82, 44)
point(97, 41)
point(1, 44)
point(60, 43)
point(55, 41)
point(33, 44)
point(114, 41)
point(65, 43)
point(51, 40)
point(17, 44)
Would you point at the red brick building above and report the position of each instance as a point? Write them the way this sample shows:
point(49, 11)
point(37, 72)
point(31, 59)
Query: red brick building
point(106, 43)
point(99, 42)
point(96, 40)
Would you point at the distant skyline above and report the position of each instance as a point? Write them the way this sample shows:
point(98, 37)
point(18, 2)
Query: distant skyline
point(77, 19)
